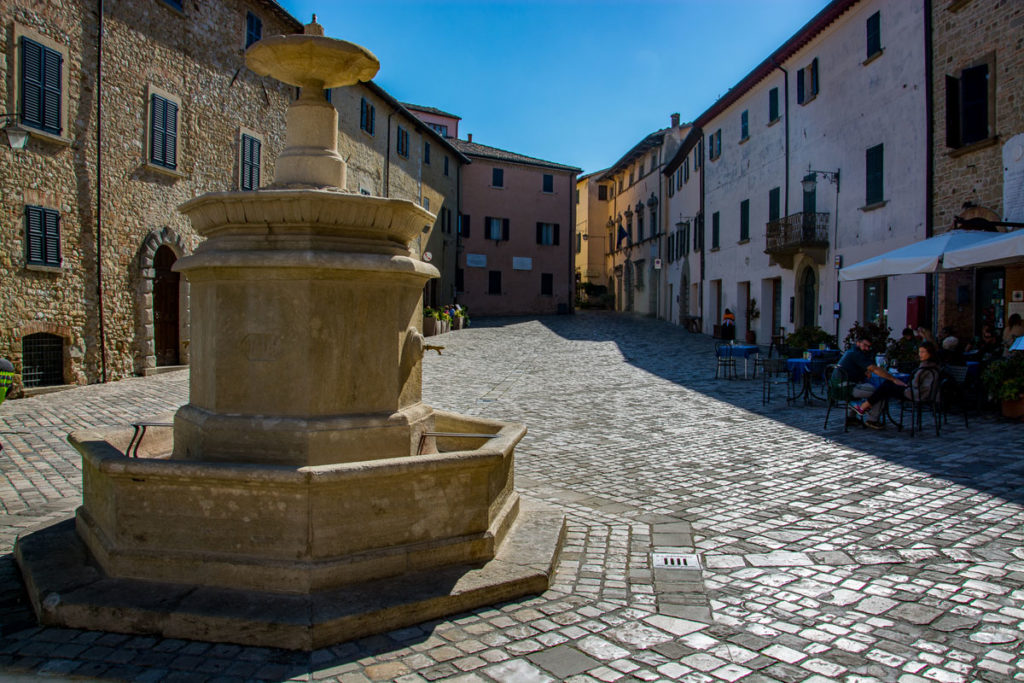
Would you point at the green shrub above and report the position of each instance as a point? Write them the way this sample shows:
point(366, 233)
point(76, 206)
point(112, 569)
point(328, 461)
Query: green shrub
point(1004, 378)
point(876, 333)
point(810, 338)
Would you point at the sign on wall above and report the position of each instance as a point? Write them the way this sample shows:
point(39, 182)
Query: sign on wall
point(522, 263)
point(476, 260)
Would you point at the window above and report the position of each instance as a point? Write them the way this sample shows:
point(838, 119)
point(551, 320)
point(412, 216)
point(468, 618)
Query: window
point(496, 229)
point(714, 230)
point(744, 126)
point(579, 242)
point(874, 29)
point(875, 300)
point(639, 223)
point(249, 164)
point(639, 274)
point(773, 105)
point(654, 160)
point(621, 182)
point(684, 247)
point(426, 152)
point(494, 282)
point(464, 225)
point(632, 178)
point(547, 284)
point(497, 177)
point(426, 203)
point(460, 279)
point(602, 193)
point(629, 228)
point(42, 360)
point(42, 71)
point(253, 29)
point(773, 204)
point(715, 145)
point(745, 220)
point(698, 154)
point(969, 108)
point(42, 236)
point(547, 233)
point(327, 94)
point(672, 185)
point(686, 170)
point(807, 82)
point(548, 183)
point(873, 183)
point(441, 129)
point(640, 170)
point(671, 247)
point(163, 132)
point(446, 165)
point(367, 117)
point(402, 142)
point(654, 221)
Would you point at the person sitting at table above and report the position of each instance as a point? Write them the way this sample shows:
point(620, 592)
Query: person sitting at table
point(728, 325)
point(988, 345)
point(1014, 329)
point(928, 354)
point(859, 365)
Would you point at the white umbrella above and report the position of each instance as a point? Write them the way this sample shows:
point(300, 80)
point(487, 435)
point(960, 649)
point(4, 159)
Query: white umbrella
point(1001, 248)
point(925, 256)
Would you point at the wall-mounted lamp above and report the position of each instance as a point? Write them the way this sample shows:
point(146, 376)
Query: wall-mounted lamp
point(16, 135)
point(810, 180)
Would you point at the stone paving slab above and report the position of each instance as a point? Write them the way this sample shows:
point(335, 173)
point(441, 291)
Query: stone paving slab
point(860, 556)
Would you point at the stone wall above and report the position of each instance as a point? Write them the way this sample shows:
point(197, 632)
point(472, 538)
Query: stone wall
point(195, 56)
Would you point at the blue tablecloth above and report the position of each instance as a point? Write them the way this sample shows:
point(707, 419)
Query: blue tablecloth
point(826, 353)
point(741, 350)
point(797, 367)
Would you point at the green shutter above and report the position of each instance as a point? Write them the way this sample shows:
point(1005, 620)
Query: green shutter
point(874, 179)
point(874, 29)
point(34, 234)
point(745, 220)
point(51, 235)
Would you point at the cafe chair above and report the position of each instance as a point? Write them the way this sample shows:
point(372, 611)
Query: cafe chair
point(925, 392)
point(839, 394)
point(726, 366)
point(775, 373)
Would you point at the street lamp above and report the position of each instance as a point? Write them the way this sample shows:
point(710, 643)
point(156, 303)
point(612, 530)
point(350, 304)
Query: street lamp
point(809, 182)
point(17, 136)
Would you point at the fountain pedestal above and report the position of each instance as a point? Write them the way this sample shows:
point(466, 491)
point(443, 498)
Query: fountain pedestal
point(291, 506)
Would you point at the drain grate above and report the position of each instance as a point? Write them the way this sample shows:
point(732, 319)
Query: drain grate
point(675, 561)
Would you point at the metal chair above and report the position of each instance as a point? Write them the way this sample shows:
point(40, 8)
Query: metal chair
point(774, 373)
point(839, 393)
point(957, 389)
point(726, 365)
point(924, 388)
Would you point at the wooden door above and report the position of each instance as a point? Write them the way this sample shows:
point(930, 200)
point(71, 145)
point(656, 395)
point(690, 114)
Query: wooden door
point(165, 307)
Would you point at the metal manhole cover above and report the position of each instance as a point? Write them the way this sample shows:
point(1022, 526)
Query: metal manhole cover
point(675, 561)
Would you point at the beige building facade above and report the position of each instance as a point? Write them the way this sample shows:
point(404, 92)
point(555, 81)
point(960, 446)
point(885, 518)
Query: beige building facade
point(591, 239)
point(89, 215)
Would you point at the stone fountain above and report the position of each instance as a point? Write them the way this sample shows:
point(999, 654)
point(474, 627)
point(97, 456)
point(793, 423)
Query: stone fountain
point(305, 494)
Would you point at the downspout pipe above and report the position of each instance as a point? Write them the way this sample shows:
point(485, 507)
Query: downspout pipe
point(932, 281)
point(99, 194)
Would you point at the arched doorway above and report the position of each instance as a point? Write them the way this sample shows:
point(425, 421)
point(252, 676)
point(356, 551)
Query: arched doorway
point(808, 299)
point(166, 285)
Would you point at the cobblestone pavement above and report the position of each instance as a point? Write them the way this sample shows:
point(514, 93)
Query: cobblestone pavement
point(860, 556)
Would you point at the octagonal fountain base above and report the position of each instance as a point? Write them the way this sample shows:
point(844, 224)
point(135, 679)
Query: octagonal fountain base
point(292, 557)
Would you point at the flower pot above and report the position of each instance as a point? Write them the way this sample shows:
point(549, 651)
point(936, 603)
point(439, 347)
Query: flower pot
point(445, 327)
point(429, 326)
point(456, 323)
point(1013, 408)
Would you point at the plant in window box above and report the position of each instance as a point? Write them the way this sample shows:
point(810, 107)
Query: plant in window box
point(431, 321)
point(753, 313)
point(1004, 381)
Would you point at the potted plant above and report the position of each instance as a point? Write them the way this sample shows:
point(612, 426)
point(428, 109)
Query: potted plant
point(809, 338)
point(456, 319)
point(877, 333)
point(1004, 380)
point(752, 314)
point(431, 322)
point(446, 321)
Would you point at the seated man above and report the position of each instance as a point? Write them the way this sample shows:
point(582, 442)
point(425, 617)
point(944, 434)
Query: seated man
point(858, 365)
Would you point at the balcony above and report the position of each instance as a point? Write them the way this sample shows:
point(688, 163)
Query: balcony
point(799, 233)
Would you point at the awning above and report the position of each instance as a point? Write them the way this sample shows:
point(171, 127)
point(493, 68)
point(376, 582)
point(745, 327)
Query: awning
point(1000, 249)
point(925, 256)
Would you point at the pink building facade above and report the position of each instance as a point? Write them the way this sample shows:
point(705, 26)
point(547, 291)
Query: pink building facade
point(445, 124)
point(516, 233)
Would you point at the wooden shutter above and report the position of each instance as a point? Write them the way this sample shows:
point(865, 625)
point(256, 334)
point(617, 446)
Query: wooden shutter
point(554, 231)
point(363, 116)
point(504, 229)
point(52, 61)
point(34, 234)
point(487, 228)
point(540, 233)
point(745, 219)
point(800, 86)
point(974, 104)
point(814, 76)
point(773, 204)
point(773, 104)
point(41, 86)
point(671, 244)
point(952, 111)
point(874, 179)
point(171, 135)
point(157, 124)
point(874, 28)
point(164, 132)
point(51, 237)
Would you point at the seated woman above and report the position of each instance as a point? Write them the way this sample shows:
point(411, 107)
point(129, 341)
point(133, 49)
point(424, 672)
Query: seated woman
point(922, 382)
point(728, 325)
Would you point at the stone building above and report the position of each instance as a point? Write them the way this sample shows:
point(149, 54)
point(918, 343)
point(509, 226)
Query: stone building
point(391, 152)
point(978, 151)
point(590, 244)
point(517, 223)
point(88, 215)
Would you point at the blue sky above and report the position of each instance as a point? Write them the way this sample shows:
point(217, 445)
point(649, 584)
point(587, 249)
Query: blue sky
point(572, 81)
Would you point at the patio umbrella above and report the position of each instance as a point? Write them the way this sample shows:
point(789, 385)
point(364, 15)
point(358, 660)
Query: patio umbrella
point(1002, 248)
point(925, 256)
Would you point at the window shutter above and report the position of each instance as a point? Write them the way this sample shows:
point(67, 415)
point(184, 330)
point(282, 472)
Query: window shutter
point(800, 86)
point(51, 234)
point(773, 104)
point(363, 118)
point(257, 150)
point(874, 28)
point(773, 204)
point(718, 143)
point(171, 137)
point(540, 233)
point(874, 179)
point(488, 235)
point(465, 225)
point(974, 104)
point(156, 130)
point(31, 83)
point(952, 111)
point(504, 229)
point(34, 234)
point(814, 76)
point(555, 231)
point(52, 61)
point(373, 119)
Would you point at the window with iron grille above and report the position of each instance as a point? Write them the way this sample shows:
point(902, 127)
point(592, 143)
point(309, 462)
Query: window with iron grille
point(367, 116)
point(42, 360)
point(41, 89)
point(163, 136)
point(250, 163)
point(42, 236)
point(253, 29)
point(547, 284)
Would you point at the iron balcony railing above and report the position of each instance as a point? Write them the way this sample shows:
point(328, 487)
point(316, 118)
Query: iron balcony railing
point(797, 231)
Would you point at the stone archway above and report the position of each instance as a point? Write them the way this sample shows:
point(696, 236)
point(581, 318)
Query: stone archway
point(160, 241)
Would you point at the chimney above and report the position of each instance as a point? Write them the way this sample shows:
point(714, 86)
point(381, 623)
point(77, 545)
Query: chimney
point(675, 120)
point(469, 137)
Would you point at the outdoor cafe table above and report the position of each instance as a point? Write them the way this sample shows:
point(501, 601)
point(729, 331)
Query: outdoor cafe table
point(743, 351)
point(799, 371)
